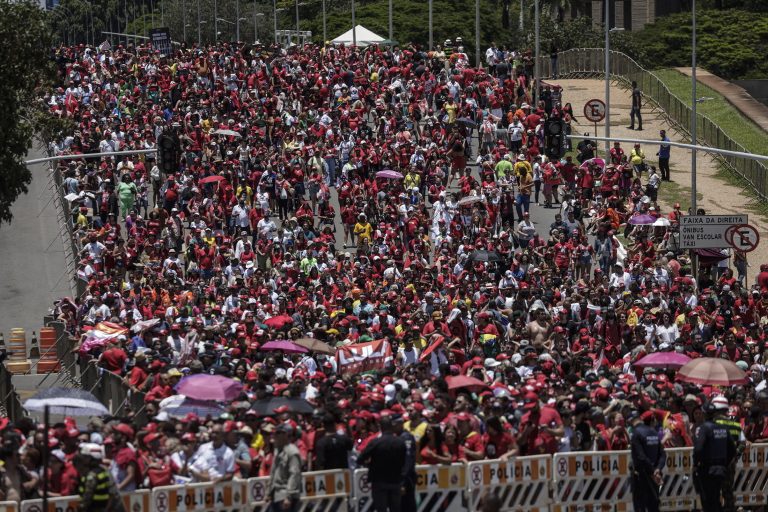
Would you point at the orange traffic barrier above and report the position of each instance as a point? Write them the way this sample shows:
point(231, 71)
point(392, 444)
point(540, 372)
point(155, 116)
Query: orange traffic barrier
point(48, 363)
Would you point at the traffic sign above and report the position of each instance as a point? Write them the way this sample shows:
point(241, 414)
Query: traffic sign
point(594, 110)
point(745, 238)
point(709, 231)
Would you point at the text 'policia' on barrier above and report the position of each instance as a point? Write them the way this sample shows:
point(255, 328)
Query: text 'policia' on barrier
point(540, 483)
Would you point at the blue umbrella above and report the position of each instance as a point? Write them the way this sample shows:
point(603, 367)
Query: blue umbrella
point(66, 402)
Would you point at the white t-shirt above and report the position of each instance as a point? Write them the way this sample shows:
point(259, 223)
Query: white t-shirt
point(216, 461)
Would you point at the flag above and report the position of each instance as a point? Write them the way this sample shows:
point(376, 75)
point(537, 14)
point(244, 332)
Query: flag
point(105, 46)
point(100, 335)
point(363, 357)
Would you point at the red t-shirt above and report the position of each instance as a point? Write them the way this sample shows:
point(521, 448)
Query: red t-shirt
point(540, 442)
point(114, 359)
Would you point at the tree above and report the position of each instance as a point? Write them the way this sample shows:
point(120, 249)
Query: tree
point(25, 65)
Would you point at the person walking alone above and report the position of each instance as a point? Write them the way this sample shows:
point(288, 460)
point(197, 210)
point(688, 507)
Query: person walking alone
point(385, 457)
point(663, 154)
point(637, 100)
point(284, 487)
point(648, 459)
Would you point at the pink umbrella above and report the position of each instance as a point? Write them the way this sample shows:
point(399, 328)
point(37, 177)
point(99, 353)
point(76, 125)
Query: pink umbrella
point(666, 360)
point(465, 382)
point(389, 174)
point(713, 371)
point(203, 386)
point(641, 219)
point(278, 322)
point(593, 161)
point(285, 346)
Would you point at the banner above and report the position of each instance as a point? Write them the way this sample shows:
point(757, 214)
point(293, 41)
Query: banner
point(161, 40)
point(101, 334)
point(363, 357)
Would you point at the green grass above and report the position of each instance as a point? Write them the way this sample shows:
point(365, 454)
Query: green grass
point(755, 204)
point(672, 192)
point(737, 126)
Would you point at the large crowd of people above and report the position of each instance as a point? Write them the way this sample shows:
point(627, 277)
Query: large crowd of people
point(365, 195)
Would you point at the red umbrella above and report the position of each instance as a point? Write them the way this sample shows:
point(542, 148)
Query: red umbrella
point(286, 346)
point(465, 382)
point(673, 360)
point(212, 179)
point(713, 371)
point(278, 322)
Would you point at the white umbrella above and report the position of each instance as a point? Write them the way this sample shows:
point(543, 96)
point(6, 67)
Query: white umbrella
point(229, 133)
point(662, 222)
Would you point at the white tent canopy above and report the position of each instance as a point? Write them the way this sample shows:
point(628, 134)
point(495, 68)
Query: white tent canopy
point(363, 35)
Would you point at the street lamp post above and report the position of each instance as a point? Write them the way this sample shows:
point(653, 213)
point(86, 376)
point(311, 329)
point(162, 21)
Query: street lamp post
point(199, 25)
point(184, 18)
point(536, 58)
point(693, 107)
point(274, 17)
point(430, 25)
point(354, 27)
point(607, 78)
point(477, 32)
point(256, 16)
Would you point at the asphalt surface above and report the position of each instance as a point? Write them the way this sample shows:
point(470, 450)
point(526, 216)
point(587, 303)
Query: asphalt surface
point(32, 257)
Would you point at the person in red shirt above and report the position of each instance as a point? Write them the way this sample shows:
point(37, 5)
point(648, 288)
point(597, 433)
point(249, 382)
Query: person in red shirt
point(540, 427)
point(138, 374)
point(499, 444)
point(114, 358)
point(62, 475)
point(432, 448)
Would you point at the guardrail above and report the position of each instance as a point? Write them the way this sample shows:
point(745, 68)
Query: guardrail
point(113, 392)
point(588, 62)
point(540, 483)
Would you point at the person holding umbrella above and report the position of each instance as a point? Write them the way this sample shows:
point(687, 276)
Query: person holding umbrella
point(648, 459)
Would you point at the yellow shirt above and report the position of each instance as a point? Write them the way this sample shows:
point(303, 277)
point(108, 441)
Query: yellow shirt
point(451, 111)
point(418, 431)
point(363, 231)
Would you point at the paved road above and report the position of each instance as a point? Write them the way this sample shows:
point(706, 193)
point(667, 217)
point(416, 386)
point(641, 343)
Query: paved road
point(32, 256)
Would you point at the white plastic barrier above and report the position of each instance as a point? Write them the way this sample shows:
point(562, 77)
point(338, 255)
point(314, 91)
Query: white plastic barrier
point(438, 488)
point(135, 501)
point(591, 481)
point(677, 491)
point(321, 491)
point(223, 497)
point(751, 479)
point(521, 482)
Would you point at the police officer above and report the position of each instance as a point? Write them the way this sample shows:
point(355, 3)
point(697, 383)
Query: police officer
point(713, 451)
point(97, 490)
point(408, 503)
point(385, 457)
point(725, 419)
point(648, 459)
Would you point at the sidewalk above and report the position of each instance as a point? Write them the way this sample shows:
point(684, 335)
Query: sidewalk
point(736, 96)
point(714, 195)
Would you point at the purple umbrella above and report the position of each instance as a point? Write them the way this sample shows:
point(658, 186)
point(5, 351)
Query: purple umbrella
point(389, 174)
point(203, 386)
point(642, 219)
point(284, 345)
point(665, 360)
point(593, 161)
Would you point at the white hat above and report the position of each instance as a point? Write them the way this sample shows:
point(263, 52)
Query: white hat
point(491, 362)
point(389, 392)
point(92, 450)
point(720, 403)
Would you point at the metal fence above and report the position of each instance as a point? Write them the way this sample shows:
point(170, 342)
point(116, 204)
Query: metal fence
point(113, 392)
point(588, 62)
point(11, 404)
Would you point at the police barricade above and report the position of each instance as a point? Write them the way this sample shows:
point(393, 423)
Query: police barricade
point(751, 478)
point(677, 491)
point(136, 501)
point(321, 491)
point(222, 497)
point(9, 506)
point(522, 483)
point(437, 488)
point(591, 481)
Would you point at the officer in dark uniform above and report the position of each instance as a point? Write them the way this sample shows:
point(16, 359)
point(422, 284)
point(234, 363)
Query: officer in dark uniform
point(385, 457)
point(648, 459)
point(713, 451)
point(409, 470)
point(723, 418)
